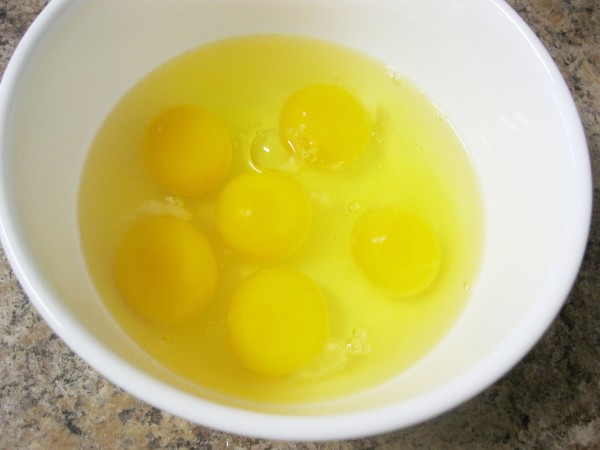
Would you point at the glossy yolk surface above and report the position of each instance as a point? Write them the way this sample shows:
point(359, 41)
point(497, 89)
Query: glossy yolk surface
point(278, 321)
point(396, 251)
point(165, 269)
point(187, 150)
point(325, 124)
point(263, 217)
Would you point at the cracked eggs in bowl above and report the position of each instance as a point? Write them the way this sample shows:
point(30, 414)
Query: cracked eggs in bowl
point(281, 228)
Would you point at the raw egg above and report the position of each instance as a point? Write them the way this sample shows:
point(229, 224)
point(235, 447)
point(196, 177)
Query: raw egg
point(263, 217)
point(326, 125)
point(187, 150)
point(396, 251)
point(165, 269)
point(278, 321)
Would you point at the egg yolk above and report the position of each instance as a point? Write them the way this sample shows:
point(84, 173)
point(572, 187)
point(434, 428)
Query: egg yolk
point(187, 150)
point(278, 321)
point(263, 217)
point(325, 125)
point(165, 269)
point(396, 251)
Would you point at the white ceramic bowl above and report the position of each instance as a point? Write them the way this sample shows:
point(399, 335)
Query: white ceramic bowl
point(475, 59)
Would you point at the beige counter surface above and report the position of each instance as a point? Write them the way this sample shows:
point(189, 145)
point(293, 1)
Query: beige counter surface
point(51, 399)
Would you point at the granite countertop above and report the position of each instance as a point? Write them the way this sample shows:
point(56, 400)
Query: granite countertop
point(49, 398)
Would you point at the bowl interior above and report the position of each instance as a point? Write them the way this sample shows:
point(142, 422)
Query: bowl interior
point(476, 60)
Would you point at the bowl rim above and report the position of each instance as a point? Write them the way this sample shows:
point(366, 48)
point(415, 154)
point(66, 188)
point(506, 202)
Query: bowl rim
point(301, 427)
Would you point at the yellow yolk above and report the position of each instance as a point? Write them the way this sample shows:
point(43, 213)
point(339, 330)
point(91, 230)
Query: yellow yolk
point(165, 269)
point(263, 217)
point(187, 150)
point(325, 125)
point(396, 251)
point(278, 322)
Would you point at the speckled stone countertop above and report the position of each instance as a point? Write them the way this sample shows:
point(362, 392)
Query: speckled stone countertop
point(50, 399)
